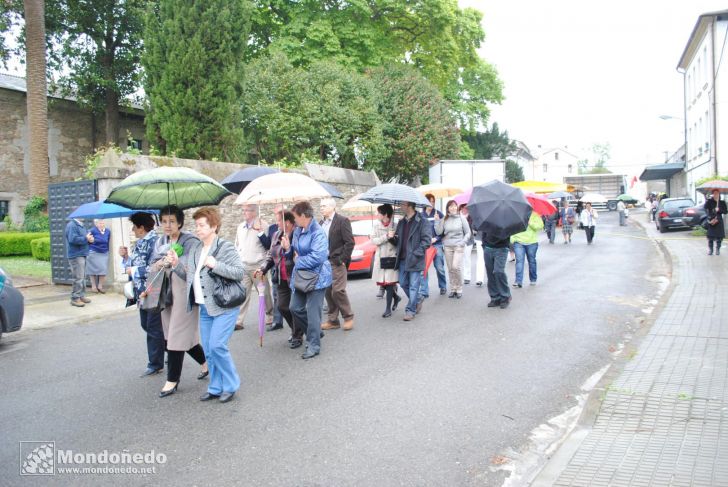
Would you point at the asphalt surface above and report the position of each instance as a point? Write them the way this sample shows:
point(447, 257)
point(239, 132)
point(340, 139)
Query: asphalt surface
point(436, 401)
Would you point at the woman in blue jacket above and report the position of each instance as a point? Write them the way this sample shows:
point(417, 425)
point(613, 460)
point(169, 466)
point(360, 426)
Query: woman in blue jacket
point(312, 254)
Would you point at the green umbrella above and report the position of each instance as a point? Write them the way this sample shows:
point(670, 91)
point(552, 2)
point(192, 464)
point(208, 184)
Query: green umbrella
point(627, 198)
point(162, 186)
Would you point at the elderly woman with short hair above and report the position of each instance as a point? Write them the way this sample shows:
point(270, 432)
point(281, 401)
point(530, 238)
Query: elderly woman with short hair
point(212, 255)
point(97, 262)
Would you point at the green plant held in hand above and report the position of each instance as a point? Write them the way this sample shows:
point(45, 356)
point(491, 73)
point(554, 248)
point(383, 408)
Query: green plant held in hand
point(178, 249)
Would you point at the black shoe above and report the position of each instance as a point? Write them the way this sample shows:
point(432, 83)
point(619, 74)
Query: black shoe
point(149, 372)
point(202, 375)
point(380, 294)
point(479, 283)
point(239, 326)
point(458, 295)
point(397, 299)
point(467, 281)
point(226, 396)
point(321, 335)
point(295, 343)
point(494, 303)
point(517, 284)
point(169, 392)
point(274, 327)
point(504, 304)
point(307, 355)
point(442, 292)
point(452, 294)
point(710, 252)
point(207, 396)
point(387, 314)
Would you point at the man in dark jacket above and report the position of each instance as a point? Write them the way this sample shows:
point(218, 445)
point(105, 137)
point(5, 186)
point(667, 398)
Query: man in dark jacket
point(495, 253)
point(412, 239)
point(341, 245)
point(77, 240)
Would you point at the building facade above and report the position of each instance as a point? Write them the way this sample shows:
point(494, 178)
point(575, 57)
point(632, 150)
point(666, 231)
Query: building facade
point(74, 133)
point(706, 91)
point(553, 165)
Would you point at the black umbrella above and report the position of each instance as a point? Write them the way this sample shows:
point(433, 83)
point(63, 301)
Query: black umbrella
point(238, 180)
point(499, 210)
point(333, 191)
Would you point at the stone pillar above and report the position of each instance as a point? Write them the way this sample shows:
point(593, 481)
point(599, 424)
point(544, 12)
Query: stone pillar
point(110, 172)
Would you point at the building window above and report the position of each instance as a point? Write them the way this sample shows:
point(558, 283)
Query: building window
point(4, 209)
point(135, 144)
point(545, 168)
point(570, 168)
point(556, 156)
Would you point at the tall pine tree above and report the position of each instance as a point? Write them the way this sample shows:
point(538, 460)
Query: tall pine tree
point(193, 74)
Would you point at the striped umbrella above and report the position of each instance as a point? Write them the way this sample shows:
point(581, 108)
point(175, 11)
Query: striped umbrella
point(394, 194)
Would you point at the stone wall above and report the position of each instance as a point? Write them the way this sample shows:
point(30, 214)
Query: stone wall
point(73, 134)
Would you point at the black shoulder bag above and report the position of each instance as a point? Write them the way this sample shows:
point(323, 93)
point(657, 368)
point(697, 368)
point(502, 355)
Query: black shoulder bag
point(227, 293)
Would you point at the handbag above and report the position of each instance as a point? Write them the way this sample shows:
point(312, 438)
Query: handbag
point(305, 280)
point(158, 293)
point(387, 262)
point(226, 293)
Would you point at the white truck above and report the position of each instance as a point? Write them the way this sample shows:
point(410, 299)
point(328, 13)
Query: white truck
point(467, 174)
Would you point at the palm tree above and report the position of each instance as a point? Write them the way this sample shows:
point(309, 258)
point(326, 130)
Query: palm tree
point(37, 101)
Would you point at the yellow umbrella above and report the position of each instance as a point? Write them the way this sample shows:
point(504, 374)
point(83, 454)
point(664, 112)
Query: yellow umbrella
point(541, 186)
point(440, 190)
point(355, 204)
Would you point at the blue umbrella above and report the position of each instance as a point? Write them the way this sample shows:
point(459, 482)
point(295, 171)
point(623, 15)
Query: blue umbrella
point(102, 209)
point(335, 193)
point(394, 194)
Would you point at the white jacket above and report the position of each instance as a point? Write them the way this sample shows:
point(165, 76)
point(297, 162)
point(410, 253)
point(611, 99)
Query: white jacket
point(585, 217)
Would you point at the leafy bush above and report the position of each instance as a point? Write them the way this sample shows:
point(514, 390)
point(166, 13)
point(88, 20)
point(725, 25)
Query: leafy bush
point(41, 248)
point(36, 218)
point(12, 243)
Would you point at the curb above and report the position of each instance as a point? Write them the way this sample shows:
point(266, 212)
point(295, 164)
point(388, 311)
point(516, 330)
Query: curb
point(568, 446)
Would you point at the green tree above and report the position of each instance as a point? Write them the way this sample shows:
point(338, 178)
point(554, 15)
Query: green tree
point(192, 76)
point(490, 144)
point(8, 18)
point(94, 52)
point(419, 126)
point(514, 172)
point(325, 112)
point(435, 36)
point(600, 158)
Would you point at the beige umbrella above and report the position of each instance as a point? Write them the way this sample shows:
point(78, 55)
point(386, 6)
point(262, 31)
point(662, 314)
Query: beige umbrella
point(281, 187)
point(440, 190)
point(355, 204)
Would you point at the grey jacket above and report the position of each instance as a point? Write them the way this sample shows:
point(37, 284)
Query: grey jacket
point(228, 265)
point(455, 231)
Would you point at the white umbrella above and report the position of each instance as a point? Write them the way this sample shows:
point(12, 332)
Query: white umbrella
point(440, 190)
point(281, 187)
point(355, 204)
point(593, 198)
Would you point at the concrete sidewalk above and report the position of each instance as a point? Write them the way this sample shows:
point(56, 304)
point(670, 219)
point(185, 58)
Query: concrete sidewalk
point(48, 305)
point(664, 420)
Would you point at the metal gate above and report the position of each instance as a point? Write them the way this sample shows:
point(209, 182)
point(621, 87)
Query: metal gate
point(62, 199)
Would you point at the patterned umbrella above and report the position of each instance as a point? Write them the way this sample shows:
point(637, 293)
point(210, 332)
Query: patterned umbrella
point(281, 187)
point(163, 186)
point(708, 186)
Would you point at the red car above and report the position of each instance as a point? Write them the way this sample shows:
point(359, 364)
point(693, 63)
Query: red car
point(362, 258)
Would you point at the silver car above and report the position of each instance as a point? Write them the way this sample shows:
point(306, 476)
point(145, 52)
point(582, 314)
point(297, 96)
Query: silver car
point(12, 305)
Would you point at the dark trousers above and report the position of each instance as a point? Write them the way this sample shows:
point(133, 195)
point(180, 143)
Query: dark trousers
point(589, 234)
point(336, 298)
point(78, 271)
point(284, 307)
point(495, 269)
point(717, 241)
point(176, 357)
point(156, 344)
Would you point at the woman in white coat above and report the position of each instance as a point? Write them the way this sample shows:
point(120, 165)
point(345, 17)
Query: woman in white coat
point(388, 276)
point(589, 217)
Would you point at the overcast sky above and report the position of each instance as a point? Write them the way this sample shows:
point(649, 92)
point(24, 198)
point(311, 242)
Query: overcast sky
point(577, 73)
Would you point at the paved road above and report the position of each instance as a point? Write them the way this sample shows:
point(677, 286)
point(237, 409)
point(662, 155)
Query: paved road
point(431, 402)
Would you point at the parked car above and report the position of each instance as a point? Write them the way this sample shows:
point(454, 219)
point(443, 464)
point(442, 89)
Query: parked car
point(694, 215)
point(670, 213)
point(362, 258)
point(12, 305)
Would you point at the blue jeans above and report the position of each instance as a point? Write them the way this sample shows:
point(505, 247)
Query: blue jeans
point(495, 269)
point(215, 332)
point(522, 252)
point(439, 263)
point(277, 317)
point(410, 282)
point(306, 308)
point(152, 324)
point(550, 227)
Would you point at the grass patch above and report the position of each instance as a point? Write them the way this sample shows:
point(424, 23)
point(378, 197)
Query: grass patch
point(26, 266)
point(698, 232)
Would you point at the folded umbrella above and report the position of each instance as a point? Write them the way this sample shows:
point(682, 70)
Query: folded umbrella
point(261, 309)
point(238, 180)
point(540, 204)
point(499, 210)
point(394, 194)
